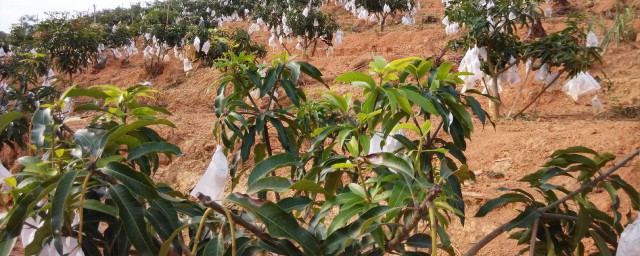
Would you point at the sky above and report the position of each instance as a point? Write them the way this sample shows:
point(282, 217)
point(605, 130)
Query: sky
point(12, 10)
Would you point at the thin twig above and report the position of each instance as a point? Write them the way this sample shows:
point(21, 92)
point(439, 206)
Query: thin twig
point(534, 232)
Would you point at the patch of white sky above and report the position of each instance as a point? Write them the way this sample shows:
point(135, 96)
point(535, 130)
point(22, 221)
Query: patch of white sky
point(12, 10)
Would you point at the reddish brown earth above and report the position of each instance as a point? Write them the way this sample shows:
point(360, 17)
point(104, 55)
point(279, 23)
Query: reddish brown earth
point(513, 148)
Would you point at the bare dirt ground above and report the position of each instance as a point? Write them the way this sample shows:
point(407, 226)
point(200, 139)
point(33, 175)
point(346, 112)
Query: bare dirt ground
point(513, 148)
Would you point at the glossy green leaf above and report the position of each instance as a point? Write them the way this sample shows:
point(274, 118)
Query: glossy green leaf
point(131, 212)
point(154, 147)
point(279, 222)
point(271, 164)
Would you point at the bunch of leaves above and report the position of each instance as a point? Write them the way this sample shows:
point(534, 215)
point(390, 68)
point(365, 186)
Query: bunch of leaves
point(278, 14)
point(376, 7)
point(622, 29)
point(21, 36)
point(325, 167)
point(23, 95)
point(305, 27)
point(497, 28)
point(222, 41)
point(100, 175)
point(560, 218)
point(70, 42)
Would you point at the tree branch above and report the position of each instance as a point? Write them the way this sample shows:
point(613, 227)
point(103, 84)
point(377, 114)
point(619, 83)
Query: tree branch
point(488, 238)
point(206, 201)
point(413, 222)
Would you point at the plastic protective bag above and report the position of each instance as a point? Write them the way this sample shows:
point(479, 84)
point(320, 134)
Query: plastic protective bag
point(391, 145)
point(214, 179)
point(592, 40)
point(542, 73)
point(187, 65)
point(629, 244)
point(471, 63)
point(4, 173)
point(305, 12)
point(2, 53)
point(253, 28)
point(339, 36)
point(206, 46)
point(69, 244)
point(272, 41)
point(196, 43)
point(556, 82)
point(386, 8)
point(581, 84)
point(512, 74)
point(597, 106)
point(116, 53)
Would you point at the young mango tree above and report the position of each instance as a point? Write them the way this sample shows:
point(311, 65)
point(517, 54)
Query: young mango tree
point(332, 186)
point(69, 42)
point(496, 47)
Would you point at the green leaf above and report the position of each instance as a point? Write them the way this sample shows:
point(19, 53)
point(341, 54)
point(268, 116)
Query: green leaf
point(277, 184)
point(311, 71)
point(7, 118)
point(215, 247)
point(419, 240)
point(337, 241)
point(60, 201)
point(309, 186)
point(280, 223)
point(443, 70)
point(391, 161)
point(166, 246)
point(294, 203)
point(154, 147)
point(41, 126)
point(357, 78)
point(499, 202)
point(271, 164)
point(6, 246)
point(137, 182)
point(420, 100)
point(600, 243)
point(76, 92)
point(124, 129)
point(573, 150)
point(95, 205)
point(131, 213)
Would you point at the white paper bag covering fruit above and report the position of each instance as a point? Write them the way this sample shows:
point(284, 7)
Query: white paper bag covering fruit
point(4, 173)
point(581, 84)
point(187, 65)
point(629, 244)
point(214, 179)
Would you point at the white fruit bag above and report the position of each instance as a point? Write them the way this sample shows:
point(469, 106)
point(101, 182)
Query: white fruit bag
point(597, 106)
point(196, 43)
point(187, 65)
point(581, 84)
point(4, 173)
point(206, 46)
point(629, 244)
point(542, 73)
point(215, 177)
point(592, 40)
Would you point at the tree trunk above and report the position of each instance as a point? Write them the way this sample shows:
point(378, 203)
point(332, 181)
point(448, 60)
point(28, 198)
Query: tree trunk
point(495, 106)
